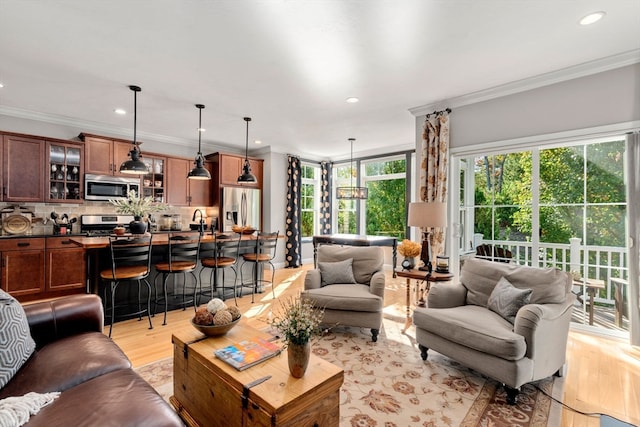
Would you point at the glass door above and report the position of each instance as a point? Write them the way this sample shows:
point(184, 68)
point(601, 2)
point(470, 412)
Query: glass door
point(65, 172)
point(153, 183)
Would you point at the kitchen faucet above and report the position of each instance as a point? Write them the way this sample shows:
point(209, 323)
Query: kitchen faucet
point(195, 214)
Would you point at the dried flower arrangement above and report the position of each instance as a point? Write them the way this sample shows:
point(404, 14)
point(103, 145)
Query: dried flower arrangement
point(409, 248)
point(298, 320)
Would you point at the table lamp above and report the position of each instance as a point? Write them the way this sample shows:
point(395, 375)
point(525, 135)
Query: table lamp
point(427, 215)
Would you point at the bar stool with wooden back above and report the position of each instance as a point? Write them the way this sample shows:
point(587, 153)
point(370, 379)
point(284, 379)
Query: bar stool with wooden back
point(265, 252)
point(182, 258)
point(221, 254)
point(130, 261)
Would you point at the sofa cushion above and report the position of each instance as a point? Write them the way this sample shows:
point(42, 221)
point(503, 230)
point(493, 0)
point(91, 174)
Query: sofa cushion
point(366, 259)
point(475, 327)
point(548, 285)
point(345, 297)
point(67, 362)
point(120, 398)
point(336, 272)
point(16, 344)
point(506, 300)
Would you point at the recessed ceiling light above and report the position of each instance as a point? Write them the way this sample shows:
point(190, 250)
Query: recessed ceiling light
point(592, 18)
point(257, 141)
point(353, 100)
point(1, 85)
point(202, 130)
point(120, 111)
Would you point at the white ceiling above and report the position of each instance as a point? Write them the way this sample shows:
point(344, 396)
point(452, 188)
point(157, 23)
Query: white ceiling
point(288, 64)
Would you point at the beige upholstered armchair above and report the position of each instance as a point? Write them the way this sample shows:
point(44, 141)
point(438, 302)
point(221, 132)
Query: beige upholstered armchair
point(509, 322)
point(349, 284)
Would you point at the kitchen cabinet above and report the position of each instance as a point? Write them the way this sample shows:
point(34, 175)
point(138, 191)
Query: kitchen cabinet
point(23, 168)
point(182, 191)
point(228, 167)
point(103, 156)
point(153, 183)
point(39, 267)
point(22, 266)
point(65, 264)
point(65, 162)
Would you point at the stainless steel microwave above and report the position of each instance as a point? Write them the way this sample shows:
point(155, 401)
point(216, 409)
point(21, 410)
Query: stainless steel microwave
point(106, 187)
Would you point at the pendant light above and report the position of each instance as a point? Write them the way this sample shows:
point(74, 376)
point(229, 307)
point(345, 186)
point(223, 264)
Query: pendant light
point(134, 165)
point(350, 193)
point(199, 172)
point(246, 176)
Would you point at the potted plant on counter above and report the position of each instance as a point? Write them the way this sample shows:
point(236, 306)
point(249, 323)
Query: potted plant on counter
point(139, 207)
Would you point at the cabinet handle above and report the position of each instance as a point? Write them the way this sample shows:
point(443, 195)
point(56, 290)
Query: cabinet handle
point(23, 244)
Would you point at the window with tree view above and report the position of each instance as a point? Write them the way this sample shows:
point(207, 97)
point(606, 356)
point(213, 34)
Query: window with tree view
point(309, 200)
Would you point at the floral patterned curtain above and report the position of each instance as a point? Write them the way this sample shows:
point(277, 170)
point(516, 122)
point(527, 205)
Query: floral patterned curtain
point(325, 197)
point(293, 237)
point(434, 167)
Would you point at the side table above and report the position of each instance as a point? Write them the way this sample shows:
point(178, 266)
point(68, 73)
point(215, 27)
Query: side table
point(419, 276)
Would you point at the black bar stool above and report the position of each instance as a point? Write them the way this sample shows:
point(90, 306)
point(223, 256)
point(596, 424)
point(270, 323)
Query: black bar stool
point(221, 254)
point(130, 261)
point(265, 252)
point(182, 258)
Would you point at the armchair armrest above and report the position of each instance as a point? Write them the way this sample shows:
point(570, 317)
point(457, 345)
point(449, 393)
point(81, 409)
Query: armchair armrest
point(376, 285)
point(545, 327)
point(312, 280)
point(52, 320)
point(446, 295)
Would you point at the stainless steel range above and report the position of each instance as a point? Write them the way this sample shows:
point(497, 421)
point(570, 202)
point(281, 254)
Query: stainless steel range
point(103, 224)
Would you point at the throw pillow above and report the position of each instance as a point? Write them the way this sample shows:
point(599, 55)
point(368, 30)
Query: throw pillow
point(16, 344)
point(336, 272)
point(506, 299)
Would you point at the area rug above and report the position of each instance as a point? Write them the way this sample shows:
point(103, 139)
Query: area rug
point(386, 384)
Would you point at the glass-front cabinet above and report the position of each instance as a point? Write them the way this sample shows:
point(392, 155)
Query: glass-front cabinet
point(65, 172)
point(153, 183)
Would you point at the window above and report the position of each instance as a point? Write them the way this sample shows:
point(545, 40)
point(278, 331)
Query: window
point(561, 207)
point(310, 200)
point(383, 213)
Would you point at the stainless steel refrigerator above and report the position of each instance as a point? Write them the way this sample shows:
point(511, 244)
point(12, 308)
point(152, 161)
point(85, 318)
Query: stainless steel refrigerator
point(241, 206)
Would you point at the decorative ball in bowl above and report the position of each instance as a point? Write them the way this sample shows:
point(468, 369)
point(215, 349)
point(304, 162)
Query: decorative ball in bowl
point(216, 318)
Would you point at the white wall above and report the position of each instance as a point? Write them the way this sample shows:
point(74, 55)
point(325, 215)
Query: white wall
point(597, 100)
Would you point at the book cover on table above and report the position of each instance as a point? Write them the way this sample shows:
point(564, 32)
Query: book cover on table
point(247, 353)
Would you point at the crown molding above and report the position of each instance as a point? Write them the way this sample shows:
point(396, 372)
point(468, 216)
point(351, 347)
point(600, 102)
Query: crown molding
point(88, 126)
point(582, 70)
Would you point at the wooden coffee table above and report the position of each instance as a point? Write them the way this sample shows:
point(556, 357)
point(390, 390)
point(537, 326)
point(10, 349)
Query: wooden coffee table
point(209, 392)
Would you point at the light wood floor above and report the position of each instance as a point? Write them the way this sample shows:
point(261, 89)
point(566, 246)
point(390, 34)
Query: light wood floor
point(603, 374)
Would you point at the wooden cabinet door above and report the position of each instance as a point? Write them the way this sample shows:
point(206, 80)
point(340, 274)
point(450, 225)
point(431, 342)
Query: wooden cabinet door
point(65, 265)
point(200, 193)
point(176, 184)
point(23, 172)
point(120, 154)
point(22, 266)
point(98, 154)
point(256, 169)
point(230, 169)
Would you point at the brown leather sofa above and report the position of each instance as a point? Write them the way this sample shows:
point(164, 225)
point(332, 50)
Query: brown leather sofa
point(97, 384)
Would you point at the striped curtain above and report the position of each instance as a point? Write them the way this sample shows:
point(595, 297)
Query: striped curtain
point(293, 237)
point(325, 197)
point(434, 167)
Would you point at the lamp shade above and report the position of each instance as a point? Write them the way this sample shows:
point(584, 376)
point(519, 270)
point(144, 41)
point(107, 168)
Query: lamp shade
point(427, 214)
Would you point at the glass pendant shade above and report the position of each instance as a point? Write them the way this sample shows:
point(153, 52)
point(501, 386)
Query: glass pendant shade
point(134, 165)
point(247, 176)
point(199, 172)
point(352, 192)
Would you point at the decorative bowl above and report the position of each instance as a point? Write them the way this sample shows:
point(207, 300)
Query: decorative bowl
point(243, 230)
point(213, 331)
